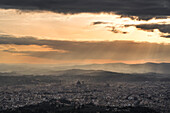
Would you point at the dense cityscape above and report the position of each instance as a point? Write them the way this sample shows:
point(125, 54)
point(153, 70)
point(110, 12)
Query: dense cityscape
point(155, 95)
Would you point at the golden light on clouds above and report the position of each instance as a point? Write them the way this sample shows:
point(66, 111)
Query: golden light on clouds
point(48, 25)
point(82, 30)
point(28, 48)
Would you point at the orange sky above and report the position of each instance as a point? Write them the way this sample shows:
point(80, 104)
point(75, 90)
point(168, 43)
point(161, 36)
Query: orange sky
point(77, 27)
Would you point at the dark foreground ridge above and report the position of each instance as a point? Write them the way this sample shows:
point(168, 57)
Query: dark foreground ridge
point(65, 106)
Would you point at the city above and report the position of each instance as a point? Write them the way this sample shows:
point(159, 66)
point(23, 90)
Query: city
point(153, 95)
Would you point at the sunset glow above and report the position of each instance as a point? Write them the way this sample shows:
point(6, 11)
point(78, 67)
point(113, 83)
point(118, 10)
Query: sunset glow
point(90, 28)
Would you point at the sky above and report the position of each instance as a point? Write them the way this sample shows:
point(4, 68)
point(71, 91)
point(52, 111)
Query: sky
point(84, 31)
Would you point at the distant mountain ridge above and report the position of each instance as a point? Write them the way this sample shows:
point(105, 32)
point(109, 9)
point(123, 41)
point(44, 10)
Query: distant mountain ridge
point(43, 69)
point(92, 76)
point(163, 68)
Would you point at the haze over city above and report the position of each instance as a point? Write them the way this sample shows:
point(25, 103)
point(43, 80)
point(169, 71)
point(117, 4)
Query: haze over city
point(84, 56)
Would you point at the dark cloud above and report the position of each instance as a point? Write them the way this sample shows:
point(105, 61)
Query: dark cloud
point(163, 28)
point(144, 9)
point(165, 36)
point(99, 22)
point(115, 30)
point(80, 50)
point(5, 39)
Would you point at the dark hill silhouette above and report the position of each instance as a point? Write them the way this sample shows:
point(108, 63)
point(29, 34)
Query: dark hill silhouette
point(65, 106)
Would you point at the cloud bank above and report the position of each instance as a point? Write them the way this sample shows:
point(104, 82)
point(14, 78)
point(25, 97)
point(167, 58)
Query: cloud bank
point(144, 9)
point(80, 50)
point(150, 27)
